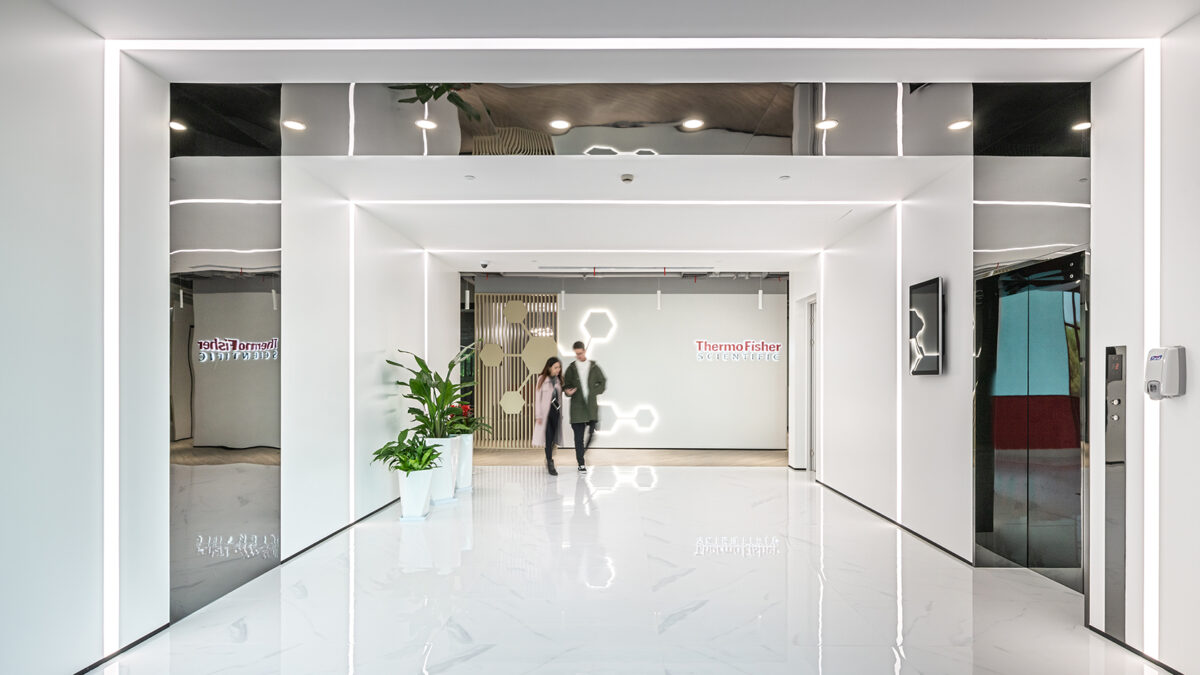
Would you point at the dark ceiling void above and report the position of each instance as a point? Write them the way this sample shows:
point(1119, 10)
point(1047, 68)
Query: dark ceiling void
point(1032, 120)
point(230, 120)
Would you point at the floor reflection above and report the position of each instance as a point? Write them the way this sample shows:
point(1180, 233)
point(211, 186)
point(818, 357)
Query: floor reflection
point(624, 570)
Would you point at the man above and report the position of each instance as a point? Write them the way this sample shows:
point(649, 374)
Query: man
point(583, 382)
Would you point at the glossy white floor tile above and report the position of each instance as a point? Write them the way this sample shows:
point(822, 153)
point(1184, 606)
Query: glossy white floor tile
point(635, 570)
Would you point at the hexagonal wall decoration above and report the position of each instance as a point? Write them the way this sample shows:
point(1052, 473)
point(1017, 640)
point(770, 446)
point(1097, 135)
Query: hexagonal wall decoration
point(598, 325)
point(515, 311)
point(512, 402)
point(491, 355)
point(537, 351)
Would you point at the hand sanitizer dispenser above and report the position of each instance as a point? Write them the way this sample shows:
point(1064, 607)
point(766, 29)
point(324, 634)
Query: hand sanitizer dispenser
point(1166, 374)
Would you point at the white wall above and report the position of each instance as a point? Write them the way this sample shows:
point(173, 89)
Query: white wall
point(803, 285)
point(388, 315)
point(314, 361)
point(1180, 326)
point(937, 431)
point(445, 332)
point(1117, 318)
point(355, 293)
point(650, 360)
point(860, 355)
point(52, 69)
point(145, 353)
point(869, 402)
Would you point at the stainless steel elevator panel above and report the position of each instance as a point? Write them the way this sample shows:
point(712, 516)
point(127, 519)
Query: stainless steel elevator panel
point(1031, 417)
point(1114, 491)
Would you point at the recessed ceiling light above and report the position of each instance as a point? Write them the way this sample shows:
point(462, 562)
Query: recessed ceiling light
point(426, 124)
point(959, 125)
point(469, 177)
point(295, 125)
point(560, 124)
point(826, 125)
point(693, 123)
point(1082, 126)
point(177, 126)
point(785, 178)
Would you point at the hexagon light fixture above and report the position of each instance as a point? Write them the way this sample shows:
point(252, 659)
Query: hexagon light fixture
point(586, 325)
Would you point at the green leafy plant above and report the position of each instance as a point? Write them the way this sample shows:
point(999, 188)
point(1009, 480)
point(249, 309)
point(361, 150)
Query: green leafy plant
point(426, 92)
point(408, 453)
point(435, 394)
point(463, 423)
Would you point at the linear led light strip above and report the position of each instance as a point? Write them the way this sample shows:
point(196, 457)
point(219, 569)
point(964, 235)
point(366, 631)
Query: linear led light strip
point(620, 44)
point(625, 202)
point(350, 131)
point(1025, 248)
point(900, 354)
point(1152, 288)
point(1069, 205)
point(175, 202)
point(227, 250)
point(110, 637)
point(447, 251)
point(351, 338)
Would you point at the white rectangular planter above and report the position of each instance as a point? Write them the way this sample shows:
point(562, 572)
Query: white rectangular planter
point(415, 490)
point(445, 474)
point(466, 461)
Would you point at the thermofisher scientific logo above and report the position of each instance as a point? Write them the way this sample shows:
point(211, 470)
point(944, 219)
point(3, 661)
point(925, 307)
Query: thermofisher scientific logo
point(746, 350)
point(233, 349)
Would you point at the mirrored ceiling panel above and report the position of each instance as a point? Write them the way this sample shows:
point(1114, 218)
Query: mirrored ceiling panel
point(607, 119)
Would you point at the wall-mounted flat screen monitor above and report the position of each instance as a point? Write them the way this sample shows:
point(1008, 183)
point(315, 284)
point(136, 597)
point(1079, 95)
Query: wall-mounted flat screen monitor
point(925, 304)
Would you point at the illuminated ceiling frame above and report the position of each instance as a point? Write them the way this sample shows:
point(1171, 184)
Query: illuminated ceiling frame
point(111, 227)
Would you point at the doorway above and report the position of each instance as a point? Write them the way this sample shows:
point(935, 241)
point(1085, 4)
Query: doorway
point(1031, 417)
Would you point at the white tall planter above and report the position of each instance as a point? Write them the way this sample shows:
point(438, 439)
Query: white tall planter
point(445, 474)
point(466, 461)
point(415, 492)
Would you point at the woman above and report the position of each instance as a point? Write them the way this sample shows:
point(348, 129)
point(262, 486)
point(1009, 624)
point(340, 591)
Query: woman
point(547, 410)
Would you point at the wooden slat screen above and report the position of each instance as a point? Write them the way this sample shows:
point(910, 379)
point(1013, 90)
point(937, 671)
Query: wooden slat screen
point(541, 320)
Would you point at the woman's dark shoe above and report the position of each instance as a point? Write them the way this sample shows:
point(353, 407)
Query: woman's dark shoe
point(550, 467)
point(582, 469)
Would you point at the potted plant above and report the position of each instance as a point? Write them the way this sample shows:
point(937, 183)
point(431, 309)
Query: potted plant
point(413, 459)
point(464, 426)
point(434, 395)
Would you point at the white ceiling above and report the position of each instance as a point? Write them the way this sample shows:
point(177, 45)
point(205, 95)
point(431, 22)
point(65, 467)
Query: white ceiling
point(664, 177)
point(629, 18)
point(528, 214)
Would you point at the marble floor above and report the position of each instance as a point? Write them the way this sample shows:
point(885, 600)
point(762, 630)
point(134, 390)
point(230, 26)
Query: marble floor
point(634, 570)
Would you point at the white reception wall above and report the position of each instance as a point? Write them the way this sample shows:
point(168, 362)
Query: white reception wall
point(52, 195)
point(659, 395)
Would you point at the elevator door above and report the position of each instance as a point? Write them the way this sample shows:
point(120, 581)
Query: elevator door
point(1030, 409)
